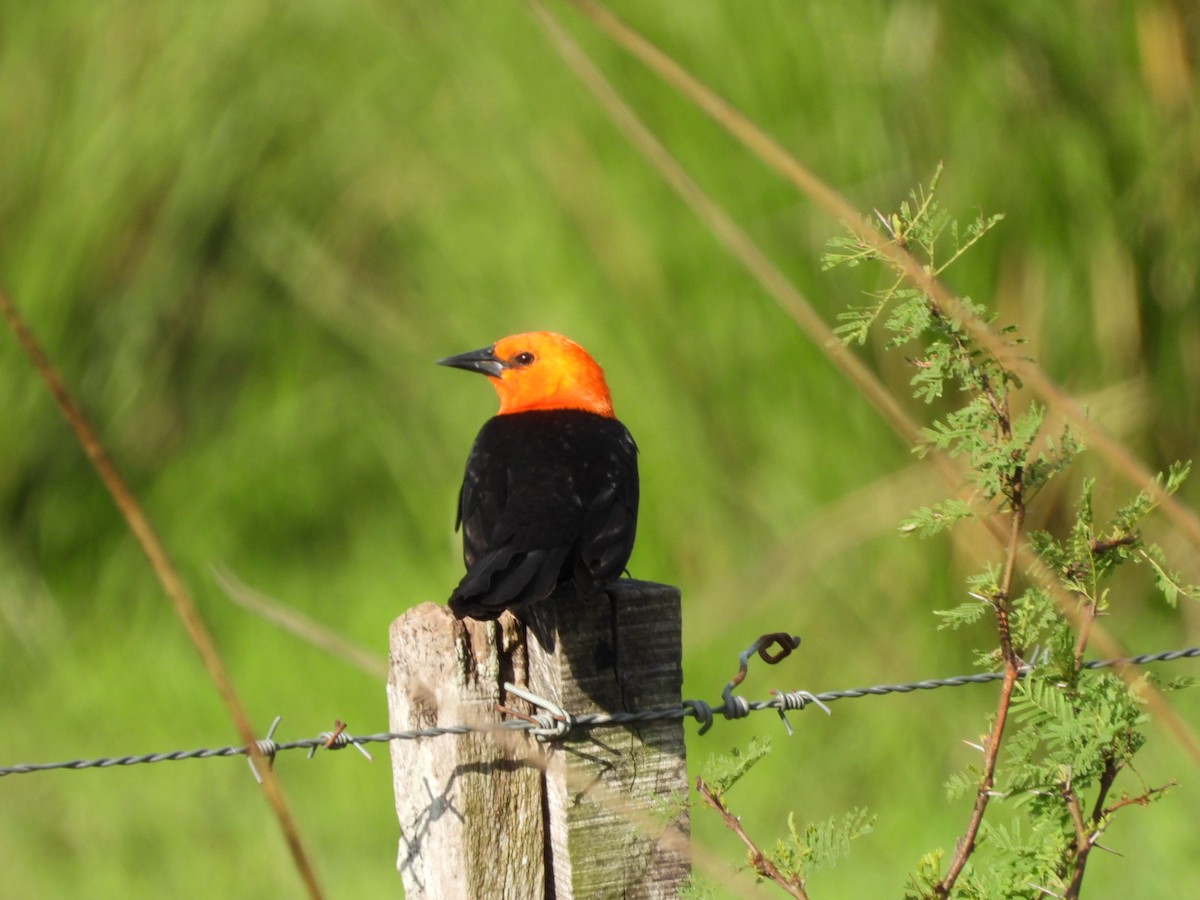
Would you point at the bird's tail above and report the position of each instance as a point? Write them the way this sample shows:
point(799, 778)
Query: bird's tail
point(505, 579)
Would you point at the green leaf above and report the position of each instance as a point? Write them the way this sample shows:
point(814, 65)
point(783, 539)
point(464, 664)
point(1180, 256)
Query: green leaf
point(1169, 583)
point(821, 844)
point(857, 323)
point(964, 614)
point(929, 520)
point(723, 771)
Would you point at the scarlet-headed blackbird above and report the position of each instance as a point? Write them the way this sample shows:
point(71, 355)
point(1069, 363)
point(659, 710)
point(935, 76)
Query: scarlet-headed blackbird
point(550, 495)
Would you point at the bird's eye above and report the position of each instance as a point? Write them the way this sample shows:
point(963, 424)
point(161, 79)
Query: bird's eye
point(523, 359)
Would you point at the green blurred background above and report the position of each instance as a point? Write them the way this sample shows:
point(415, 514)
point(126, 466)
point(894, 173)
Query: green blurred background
point(244, 232)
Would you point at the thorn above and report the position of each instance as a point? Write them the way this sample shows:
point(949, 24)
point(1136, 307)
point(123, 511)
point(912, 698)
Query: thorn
point(1044, 890)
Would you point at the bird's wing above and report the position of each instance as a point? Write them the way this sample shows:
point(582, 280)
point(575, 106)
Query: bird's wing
point(514, 555)
point(610, 520)
point(514, 542)
point(481, 500)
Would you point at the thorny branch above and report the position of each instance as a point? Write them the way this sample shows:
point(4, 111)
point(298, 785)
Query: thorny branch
point(760, 862)
point(966, 844)
point(1140, 800)
point(1084, 841)
point(1087, 832)
point(1012, 662)
point(1087, 617)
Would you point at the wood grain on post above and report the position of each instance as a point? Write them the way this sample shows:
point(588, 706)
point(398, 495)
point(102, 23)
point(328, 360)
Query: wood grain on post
point(599, 813)
point(470, 810)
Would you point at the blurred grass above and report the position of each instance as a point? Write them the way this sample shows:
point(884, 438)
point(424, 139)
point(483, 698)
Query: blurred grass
point(244, 231)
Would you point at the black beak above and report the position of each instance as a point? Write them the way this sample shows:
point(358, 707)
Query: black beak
point(484, 361)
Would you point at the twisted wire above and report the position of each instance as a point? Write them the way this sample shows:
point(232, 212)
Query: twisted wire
point(555, 723)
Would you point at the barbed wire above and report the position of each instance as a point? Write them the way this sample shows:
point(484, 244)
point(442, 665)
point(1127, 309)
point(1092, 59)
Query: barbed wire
point(551, 722)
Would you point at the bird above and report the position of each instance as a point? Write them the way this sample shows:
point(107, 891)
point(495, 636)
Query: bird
point(549, 499)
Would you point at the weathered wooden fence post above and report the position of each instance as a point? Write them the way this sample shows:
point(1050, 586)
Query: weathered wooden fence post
point(595, 814)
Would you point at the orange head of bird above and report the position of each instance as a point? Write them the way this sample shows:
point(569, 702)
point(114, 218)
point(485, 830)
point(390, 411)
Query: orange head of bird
point(539, 370)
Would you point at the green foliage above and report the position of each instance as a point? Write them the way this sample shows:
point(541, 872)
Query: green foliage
point(1071, 732)
point(1090, 553)
point(997, 445)
point(1071, 738)
point(1022, 861)
point(805, 850)
point(723, 770)
point(1039, 632)
point(919, 226)
point(819, 845)
point(1178, 683)
point(924, 881)
point(1168, 581)
point(929, 520)
point(967, 613)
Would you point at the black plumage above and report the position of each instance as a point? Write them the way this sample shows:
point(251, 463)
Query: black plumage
point(549, 500)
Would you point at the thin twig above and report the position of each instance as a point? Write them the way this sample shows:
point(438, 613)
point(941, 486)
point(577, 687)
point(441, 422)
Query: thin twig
point(1087, 618)
point(296, 623)
point(1087, 833)
point(1107, 777)
point(1083, 844)
point(160, 561)
point(991, 752)
point(761, 864)
point(1141, 799)
point(1103, 545)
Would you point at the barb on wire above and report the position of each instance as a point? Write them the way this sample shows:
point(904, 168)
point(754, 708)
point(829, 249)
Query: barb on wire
point(266, 749)
point(337, 739)
point(554, 721)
